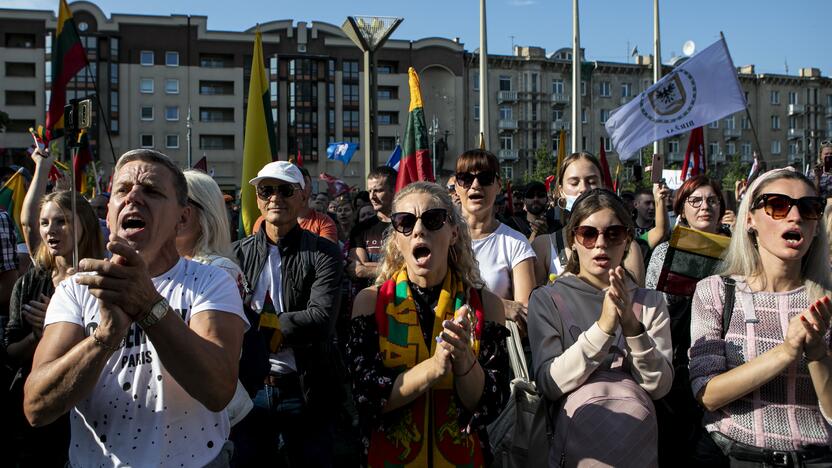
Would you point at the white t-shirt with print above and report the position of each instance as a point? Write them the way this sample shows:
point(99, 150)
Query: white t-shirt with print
point(137, 414)
point(498, 254)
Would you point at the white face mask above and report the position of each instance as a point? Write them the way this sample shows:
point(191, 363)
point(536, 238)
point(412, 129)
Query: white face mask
point(570, 201)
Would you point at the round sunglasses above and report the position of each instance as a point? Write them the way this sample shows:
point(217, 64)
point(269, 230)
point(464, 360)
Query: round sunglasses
point(587, 236)
point(432, 219)
point(778, 206)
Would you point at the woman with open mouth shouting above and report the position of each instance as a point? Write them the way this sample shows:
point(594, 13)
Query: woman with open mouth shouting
point(505, 257)
point(759, 356)
point(595, 325)
point(427, 345)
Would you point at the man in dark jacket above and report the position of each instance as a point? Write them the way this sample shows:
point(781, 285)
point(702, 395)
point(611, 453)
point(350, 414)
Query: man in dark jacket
point(292, 280)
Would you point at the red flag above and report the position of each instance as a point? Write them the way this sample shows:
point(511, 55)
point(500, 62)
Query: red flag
point(299, 161)
point(694, 163)
point(202, 164)
point(68, 58)
point(415, 163)
point(605, 168)
point(509, 200)
point(548, 182)
point(335, 186)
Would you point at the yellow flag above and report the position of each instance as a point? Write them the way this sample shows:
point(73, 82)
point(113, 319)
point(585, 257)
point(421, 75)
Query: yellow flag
point(11, 198)
point(259, 146)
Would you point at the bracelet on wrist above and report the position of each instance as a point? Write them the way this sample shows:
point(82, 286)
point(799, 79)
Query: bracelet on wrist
point(469, 369)
point(104, 345)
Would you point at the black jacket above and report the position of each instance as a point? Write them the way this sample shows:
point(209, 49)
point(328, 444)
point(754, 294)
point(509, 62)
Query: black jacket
point(311, 273)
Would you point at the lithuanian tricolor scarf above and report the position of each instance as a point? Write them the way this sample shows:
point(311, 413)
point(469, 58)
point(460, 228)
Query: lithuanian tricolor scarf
point(427, 427)
point(691, 256)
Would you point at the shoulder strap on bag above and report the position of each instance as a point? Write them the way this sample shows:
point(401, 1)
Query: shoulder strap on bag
point(727, 303)
point(561, 247)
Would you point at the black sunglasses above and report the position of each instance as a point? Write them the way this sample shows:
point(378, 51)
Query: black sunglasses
point(267, 191)
point(588, 235)
point(433, 219)
point(778, 205)
point(465, 179)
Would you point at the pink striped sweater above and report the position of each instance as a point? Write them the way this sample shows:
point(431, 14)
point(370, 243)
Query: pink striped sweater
point(783, 414)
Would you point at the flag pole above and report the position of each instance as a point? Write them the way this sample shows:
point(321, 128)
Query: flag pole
point(657, 62)
point(484, 114)
point(576, 79)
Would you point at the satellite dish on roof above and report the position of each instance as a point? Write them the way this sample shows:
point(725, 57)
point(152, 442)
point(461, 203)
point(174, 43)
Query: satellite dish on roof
point(689, 48)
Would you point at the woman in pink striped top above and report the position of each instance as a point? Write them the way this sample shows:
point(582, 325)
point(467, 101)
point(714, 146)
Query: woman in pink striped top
point(765, 381)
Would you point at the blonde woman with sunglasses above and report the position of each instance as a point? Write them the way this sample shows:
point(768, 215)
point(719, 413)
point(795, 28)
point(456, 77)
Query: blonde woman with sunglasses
point(761, 368)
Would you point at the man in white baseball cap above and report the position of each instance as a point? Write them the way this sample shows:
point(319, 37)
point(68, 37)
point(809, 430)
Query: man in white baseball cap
point(292, 280)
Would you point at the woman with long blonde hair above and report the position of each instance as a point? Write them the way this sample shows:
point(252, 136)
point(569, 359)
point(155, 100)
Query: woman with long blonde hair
point(759, 357)
point(427, 338)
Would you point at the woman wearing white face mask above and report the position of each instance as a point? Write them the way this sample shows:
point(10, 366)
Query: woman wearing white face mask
point(579, 172)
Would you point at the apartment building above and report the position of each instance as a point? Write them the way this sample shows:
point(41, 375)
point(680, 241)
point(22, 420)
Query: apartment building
point(151, 72)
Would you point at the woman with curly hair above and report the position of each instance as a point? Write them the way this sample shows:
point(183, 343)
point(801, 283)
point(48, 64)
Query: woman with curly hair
point(427, 345)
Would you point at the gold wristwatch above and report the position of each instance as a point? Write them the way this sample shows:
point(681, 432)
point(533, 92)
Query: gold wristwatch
point(156, 313)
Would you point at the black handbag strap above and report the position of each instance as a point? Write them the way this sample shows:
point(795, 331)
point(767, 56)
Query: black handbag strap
point(727, 303)
point(561, 250)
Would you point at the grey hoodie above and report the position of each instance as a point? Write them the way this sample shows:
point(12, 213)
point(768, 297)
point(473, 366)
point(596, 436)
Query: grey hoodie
point(563, 364)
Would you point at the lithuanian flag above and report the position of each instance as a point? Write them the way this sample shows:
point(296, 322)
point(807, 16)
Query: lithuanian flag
point(259, 147)
point(11, 198)
point(691, 256)
point(415, 164)
point(68, 58)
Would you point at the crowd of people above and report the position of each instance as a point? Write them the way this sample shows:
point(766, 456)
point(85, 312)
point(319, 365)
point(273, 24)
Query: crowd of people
point(372, 328)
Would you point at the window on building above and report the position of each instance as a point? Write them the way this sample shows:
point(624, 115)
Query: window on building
point(20, 98)
point(386, 143)
point(506, 142)
point(350, 69)
point(745, 150)
point(216, 114)
point(583, 88)
point(505, 112)
point(605, 114)
point(146, 140)
point(713, 149)
point(388, 118)
point(792, 149)
point(673, 146)
point(775, 146)
point(775, 97)
point(216, 60)
point(351, 121)
point(350, 94)
point(388, 92)
point(147, 112)
point(557, 86)
point(626, 89)
point(607, 144)
point(792, 97)
point(171, 113)
point(505, 83)
point(604, 89)
point(744, 123)
point(19, 125)
point(114, 74)
point(557, 115)
point(792, 122)
point(584, 115)
point(146, 86)
point(555, 145)
point(775, 122)
point(476, 75)
point(476, 111)
point(730, 123)
point(216, 88)
point(172, 59)
point(216, 142)
point(172, 86)
point(20, 69)
point(730, 149)
point(172, 141)
point(387, 67)
point(113, 48)
point(507, 171)
point(533, 82)
point(714, 124)
point(146, 58)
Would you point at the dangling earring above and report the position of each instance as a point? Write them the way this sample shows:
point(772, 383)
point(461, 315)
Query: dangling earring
point(752, 233)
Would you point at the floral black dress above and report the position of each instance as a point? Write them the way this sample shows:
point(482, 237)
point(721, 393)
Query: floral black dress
point(373, 382)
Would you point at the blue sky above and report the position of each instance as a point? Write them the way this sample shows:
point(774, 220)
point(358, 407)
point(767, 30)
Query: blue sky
point(767, 33)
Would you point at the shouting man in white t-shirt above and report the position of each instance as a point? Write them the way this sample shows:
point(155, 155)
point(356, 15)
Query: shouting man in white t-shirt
point(142, 348)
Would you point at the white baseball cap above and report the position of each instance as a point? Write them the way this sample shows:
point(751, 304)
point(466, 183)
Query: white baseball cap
point(281, 170)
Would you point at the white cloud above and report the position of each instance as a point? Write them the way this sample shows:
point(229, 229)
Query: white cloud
point(522, 3)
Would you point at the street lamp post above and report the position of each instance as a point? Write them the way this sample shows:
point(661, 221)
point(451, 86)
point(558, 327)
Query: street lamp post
point(369, 33)
point(433, 130)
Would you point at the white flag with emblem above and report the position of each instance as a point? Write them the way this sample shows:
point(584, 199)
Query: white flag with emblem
point(703, 89)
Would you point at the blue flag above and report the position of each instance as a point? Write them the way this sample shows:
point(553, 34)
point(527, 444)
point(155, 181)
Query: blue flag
point(341, 151)
point(395, 158)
